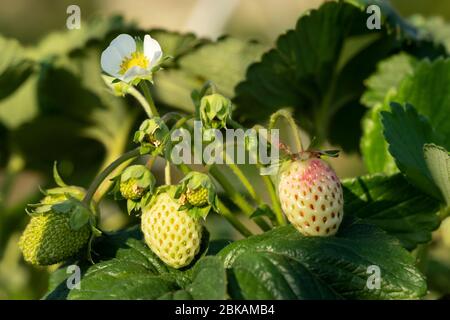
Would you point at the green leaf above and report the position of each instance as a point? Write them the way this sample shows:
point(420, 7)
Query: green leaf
point(283, 264)
point(61, 43)
point(223, 62)
point(21, 106)
point(407, 132)
point(63, 207)
point(392, 204)
point(318, 70)
point(438, 162)
point(209, 280)
point(15, 67)
point(374, 147)
point(128, 269)
point(175, 44)
point(434, 27)
point(427, 90)
point(387, 77)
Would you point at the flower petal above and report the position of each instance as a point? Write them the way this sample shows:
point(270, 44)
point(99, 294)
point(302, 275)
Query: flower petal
point(125, 44)
point(110, 61)
point(133, 73)
point(152, 50)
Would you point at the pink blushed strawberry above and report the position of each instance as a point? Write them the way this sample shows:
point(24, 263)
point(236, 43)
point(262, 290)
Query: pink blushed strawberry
point(311, 196)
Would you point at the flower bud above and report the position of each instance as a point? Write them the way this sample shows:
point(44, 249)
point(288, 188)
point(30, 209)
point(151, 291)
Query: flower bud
point(215, 110)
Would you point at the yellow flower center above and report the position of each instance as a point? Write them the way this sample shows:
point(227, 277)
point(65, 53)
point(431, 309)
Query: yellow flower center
point(136, 59)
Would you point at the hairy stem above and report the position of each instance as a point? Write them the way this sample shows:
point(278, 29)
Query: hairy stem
point(275, 201)
point(151, 111)
point(287, 115)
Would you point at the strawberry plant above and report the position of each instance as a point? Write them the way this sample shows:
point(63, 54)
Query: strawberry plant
point(141, 98)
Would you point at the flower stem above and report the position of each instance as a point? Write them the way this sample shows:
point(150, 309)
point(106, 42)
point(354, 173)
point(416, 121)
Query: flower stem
point(106, 172)
point(151, 111)
point(142, 101)
point(167, 174)
point(268, 183)
point(275, 202)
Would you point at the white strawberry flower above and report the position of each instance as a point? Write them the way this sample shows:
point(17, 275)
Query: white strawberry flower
point(128, 60)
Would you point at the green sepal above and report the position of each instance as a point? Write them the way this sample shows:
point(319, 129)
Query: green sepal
point(57, 177)
point(79, 217)
point(56, 197)
point(63, 207)
point(330, 153)
point(150, 200)
point(199, 212)
point(79, 214)
point(133, 206)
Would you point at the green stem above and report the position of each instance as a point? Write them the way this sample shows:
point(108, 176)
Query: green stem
point(268, 183)
point(236, 197)
point(287, 115)
point(152, 112)
point(167, 174)
point(184, 168)
point(238, 172)
point(142, 101)
point(275, 201)
point(106, 172)
point(224, 211)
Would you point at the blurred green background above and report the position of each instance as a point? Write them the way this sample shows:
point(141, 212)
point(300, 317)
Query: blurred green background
point(263, 20)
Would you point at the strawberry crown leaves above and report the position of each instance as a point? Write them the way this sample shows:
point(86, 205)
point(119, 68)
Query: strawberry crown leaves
point(148, 200)
point(194, 181)
point(140, 177)
point(59, 181)
point(198, 212)
point(54, 196)
point(79, 213)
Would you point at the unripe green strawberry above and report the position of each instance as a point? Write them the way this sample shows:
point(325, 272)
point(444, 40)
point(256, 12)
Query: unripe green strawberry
point(50, 236)
point(131, 190)
point(311, 196)
point(197, 194)
point(48, 239)
point(172, 234)
point(197, 198)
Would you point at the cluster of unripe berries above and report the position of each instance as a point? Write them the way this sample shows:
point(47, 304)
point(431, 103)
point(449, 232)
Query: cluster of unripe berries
point(309, 192)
